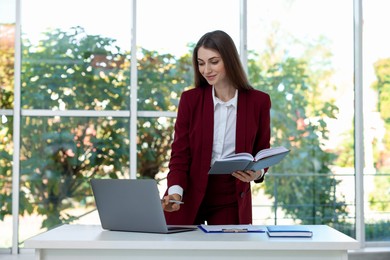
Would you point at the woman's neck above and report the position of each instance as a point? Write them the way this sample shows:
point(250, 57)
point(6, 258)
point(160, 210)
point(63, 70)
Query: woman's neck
point(224, 92)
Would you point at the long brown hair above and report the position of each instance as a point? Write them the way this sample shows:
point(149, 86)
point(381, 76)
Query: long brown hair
point(224, 45)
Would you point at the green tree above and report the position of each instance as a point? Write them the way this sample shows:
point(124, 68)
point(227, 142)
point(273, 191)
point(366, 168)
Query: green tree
point(161, 79)
point(73, 70)
point(305, 190)
point(382, 86)
point(379, 200)
point(7, 53)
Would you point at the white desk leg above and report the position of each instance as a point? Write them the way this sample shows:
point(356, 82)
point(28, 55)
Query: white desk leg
point(37, 254)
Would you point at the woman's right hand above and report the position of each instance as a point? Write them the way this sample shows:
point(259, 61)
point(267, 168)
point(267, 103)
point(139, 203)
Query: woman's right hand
point(169, 206)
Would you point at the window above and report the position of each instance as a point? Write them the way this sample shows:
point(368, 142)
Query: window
point(167, 33)
point(75, 55)
point(304, 60)
point(75, 104)
point(376, 90)
point(75, 90)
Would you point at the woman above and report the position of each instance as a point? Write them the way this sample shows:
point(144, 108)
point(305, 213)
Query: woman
point(221, 116)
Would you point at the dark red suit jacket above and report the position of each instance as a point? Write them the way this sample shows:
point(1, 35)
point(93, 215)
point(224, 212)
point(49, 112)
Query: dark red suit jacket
point(193, 142)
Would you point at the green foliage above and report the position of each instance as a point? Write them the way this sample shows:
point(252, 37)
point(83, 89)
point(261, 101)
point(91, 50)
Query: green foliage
point(305, 188)
point(161, 79)
point(72, 70)
point(59, 155)
point(5, 183)
point(7, 54)
point(345, 151)
point(379, 199)
point(378, 231)
point(382, 86)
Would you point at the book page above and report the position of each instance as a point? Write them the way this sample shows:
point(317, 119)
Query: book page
point(270, 151)
point(238, 156)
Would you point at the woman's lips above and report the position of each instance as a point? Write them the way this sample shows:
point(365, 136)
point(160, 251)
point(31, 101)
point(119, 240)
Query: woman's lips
point(209, 78)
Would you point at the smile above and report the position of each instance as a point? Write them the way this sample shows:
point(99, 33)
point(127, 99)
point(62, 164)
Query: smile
point(210, 77)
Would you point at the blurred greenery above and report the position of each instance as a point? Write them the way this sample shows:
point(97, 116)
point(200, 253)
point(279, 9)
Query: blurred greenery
point(298, 119)
point(380, 197)
point(382, 87)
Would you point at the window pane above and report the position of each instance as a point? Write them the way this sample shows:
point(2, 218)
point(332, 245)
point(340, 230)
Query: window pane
point(7, 52)
point(154, 147)
point(166, 42)
point(376, 89)
point(304, 60)
point(58, 157)
point(310, 210)
point(6, 148)
point(76, 54)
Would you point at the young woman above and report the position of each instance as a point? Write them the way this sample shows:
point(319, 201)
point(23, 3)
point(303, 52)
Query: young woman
point(221, 116)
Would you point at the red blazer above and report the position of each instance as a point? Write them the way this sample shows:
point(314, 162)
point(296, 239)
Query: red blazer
point(193, 142)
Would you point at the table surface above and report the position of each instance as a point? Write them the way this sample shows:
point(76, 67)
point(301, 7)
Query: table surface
point(93, 236)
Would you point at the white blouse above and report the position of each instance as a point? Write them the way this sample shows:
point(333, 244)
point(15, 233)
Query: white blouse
point(225, 118)
point(224, 142)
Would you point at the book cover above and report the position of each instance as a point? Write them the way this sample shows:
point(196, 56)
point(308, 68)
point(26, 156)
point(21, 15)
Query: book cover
point(245, 161)
point(289, 231)
point(231, 228)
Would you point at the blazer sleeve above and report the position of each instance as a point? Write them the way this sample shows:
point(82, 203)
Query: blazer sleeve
point(179, 163)
point(264, 131)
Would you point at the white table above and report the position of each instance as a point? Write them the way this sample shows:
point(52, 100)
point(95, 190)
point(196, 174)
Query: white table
point(92, 242)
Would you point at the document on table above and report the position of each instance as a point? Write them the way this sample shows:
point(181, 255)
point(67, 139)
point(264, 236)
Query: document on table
point(232, 228)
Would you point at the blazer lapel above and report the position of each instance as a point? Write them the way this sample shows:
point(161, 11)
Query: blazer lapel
point(207, 126)
point(241, 122)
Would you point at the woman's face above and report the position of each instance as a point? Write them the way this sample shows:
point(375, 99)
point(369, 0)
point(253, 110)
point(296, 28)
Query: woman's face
point(211, 66)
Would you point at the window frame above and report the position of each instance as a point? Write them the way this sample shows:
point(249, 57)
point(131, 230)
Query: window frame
point(134, 113)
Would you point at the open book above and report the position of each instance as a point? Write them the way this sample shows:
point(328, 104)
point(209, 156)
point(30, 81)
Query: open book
point(245, 161)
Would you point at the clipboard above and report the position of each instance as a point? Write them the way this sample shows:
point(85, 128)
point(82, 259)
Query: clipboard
point(231, 228)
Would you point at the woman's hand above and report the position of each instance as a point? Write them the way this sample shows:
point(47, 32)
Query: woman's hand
point(248, 176)
point(170, 206)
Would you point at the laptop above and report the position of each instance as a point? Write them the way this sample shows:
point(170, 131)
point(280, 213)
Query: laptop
point(131, 205)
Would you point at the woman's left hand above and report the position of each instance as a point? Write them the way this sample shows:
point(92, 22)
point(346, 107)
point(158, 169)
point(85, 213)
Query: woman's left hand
point(247, 176)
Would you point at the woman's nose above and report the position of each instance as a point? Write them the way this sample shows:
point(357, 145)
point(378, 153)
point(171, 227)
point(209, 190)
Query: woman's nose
point(207, 68)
